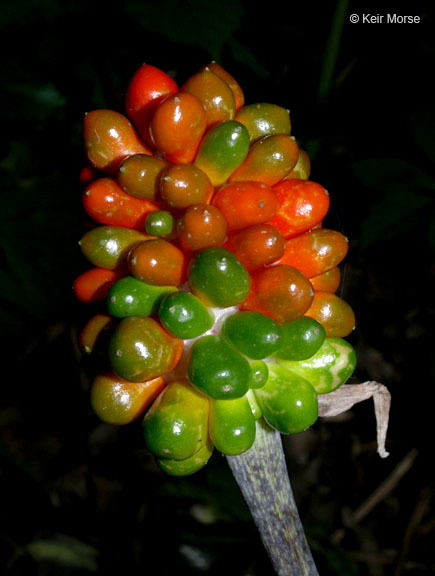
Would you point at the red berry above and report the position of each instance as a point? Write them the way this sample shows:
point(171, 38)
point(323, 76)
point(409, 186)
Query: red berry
point(177, 127)
point(302, 205)
point(280, 292)
point(201, 226)
point(246, 203)
point(257, 246)
point(159, 262)
point(109, 138)
point(147, 88)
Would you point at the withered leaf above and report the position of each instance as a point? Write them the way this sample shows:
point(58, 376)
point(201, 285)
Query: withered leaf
point(346, 396)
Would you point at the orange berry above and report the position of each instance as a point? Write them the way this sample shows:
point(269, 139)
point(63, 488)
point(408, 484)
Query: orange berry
point(184, 185)
point(201, 226)
point(147, 88)
point(158, 262)
point(280, 292)
point(177, 127)
point(107, 203)
point(302, 205)
point(119, 402)
point(269, 160)
point(246, 203)
point(302, 168)
point(334, 313)
point(139, 175)
point(328, 281)
point(92, 334)
point(315, 252)
point(264, 119)
point(257, 245)
point(214, 94)
point(94, 284)
point(109, 137)
point(239, 97)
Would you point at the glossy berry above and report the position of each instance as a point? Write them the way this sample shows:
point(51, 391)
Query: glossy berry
point(94, 331)
point(269, 160)
point(232, 425)
point(139, 349)
point(147, 88)
point(257, 246)
point(302, 205)
point(329, 368)
point(139, 175)
point(177, 127)
point(158, 261)
point(184, 315)
point(160, 223)
point(214, 93)
point(201, 226)
point(302, 168)
point(93, 285)
point(288, 401)
point(222, 150)
point(246, 203)
point(109, 246)
point(334, 313)
point(184, 185)
point(253, 334)
point(107, 203)
point(175, 427)
point(239, 96)
point(301, 339)
point(132, 297)
point(264, 119)
point(280, 292)
point(328, 281)
point(259, 374)
point(218, 370)
point(315, 252)
point(217, 277)
point(109, 137)
point(190, 465)
point(119, 402)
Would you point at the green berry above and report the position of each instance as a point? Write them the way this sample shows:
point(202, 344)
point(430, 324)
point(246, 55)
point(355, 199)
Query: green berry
point(222, 150)
point(259, 374)
point(189, 465)
point(176, 425)
point(184, 315)
point(132, 297)
point(301, 339)
point(329, 368)
point(288, 402)
point(253, 334)
point(217, 369)
point(218, 277)
point(160, 223)
point(232, 425)
point(139, 349)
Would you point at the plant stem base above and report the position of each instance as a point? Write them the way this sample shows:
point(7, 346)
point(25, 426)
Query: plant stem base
point(262, 476)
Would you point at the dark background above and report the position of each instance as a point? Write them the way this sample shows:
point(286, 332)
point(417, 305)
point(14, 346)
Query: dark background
point(80, 497)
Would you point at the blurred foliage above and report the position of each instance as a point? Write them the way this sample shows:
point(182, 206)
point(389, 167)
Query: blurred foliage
point(81, 497)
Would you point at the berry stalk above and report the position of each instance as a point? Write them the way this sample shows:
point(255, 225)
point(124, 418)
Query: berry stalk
point(262, 476)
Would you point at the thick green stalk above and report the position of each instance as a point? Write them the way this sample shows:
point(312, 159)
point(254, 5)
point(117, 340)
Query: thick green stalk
point(262, 476)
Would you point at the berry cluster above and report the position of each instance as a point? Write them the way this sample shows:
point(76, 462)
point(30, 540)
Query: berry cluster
point(216, 279)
